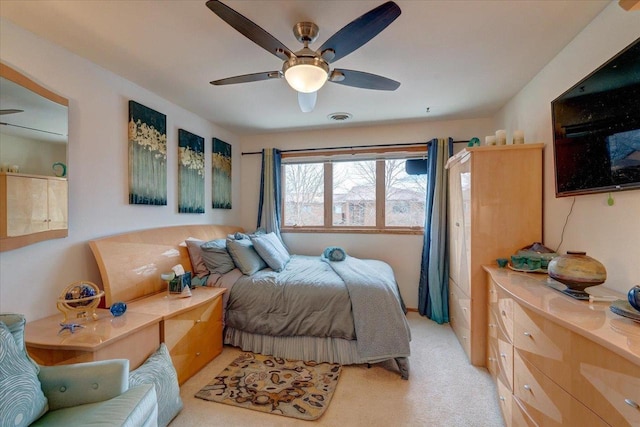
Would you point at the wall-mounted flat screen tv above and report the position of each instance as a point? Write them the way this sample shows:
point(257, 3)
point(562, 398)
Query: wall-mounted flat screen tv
point(596, 129)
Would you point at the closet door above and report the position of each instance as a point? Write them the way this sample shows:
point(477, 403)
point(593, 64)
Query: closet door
point(456, 225)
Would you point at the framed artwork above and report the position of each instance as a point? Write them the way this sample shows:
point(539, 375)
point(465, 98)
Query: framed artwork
point(147, 156)
point(221, 174)
point(190, 172)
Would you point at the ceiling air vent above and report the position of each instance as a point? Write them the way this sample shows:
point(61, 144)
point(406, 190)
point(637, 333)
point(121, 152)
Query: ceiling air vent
point(339, 117)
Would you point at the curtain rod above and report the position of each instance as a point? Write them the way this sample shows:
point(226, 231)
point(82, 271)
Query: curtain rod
point(347, 147)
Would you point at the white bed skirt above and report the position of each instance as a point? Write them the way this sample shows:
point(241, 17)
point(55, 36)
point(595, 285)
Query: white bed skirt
point(331, 350)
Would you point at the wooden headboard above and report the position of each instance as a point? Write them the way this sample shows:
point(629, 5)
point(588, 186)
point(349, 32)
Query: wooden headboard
point(131, 263)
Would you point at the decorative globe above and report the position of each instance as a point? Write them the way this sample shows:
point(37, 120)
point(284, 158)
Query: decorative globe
point(577, 270)
point(80, 299)
point(81, 292)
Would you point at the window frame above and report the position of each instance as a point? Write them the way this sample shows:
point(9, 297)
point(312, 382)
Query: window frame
point(327, 158)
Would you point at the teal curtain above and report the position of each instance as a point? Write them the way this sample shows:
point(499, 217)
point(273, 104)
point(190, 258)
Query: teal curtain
point(270, 191)
point(433, 289)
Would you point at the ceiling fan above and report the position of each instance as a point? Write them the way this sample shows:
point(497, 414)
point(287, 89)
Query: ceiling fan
point(10, 111)
point(307, 70)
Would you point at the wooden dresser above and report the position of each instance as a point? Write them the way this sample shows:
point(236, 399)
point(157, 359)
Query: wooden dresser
point(495, 208)
point(558, 361)
point(190, 327)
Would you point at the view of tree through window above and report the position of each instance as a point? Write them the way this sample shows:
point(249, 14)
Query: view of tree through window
point(354, 193)
point(303, 190)
point(405, 196)
point(355, 185)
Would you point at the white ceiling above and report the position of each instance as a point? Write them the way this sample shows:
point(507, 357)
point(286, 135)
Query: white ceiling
point(461, 59)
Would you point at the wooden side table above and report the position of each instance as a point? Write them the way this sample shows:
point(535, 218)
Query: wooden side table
point(191, 327)
point(133, 336)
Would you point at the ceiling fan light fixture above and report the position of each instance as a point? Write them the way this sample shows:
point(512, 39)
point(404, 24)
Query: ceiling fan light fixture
point(306, 75)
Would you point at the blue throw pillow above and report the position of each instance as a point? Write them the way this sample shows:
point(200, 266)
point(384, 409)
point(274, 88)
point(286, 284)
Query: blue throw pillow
point(159, 371)
point(245, 256)
point(21, 398)
point(271, 249)
point(216, 257)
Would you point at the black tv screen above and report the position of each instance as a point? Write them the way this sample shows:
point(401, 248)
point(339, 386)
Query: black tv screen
point(596, 129)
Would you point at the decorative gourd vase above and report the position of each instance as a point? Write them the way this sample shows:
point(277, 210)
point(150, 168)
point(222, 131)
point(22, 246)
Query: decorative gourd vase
point(577, 270)
point(634, 297)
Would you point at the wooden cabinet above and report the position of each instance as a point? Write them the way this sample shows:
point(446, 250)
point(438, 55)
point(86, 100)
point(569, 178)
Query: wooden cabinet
point(133, 336)
point(495, 208)
point(573, 362)
point(191, 327)
point(194, 338)
point(34, 208)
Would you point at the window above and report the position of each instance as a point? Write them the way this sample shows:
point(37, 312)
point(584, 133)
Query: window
point(363, 194)
point(303, 190)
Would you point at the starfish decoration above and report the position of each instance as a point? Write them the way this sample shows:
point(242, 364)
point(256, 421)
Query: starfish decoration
point(71, 327)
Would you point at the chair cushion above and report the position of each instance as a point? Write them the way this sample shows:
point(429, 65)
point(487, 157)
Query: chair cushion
point(159, 371)
point(21, 398)
point(136, 407)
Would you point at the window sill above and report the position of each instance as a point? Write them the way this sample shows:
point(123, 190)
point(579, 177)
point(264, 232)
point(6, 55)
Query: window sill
point(354, 230)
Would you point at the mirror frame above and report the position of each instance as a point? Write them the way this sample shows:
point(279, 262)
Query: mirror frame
point(14, 242)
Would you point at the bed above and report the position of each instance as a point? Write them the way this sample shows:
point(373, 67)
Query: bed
point(304, 308)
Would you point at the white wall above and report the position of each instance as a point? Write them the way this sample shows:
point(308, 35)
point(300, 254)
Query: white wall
point(611, 234)
point(31, 278)
point(32, 156)
point(402, 252)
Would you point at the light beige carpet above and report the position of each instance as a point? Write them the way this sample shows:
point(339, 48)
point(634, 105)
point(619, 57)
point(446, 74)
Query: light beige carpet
point(443, 390)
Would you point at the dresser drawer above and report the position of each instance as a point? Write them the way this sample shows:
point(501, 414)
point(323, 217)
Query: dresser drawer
point(500, 360)
point(519, 415)
point(606, 383)
point(501, 304)
point(505, 399)
point(545, 402)
point(194, 337)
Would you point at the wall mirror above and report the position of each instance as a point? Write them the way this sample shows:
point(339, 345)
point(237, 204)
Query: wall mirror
point(33, 126)
point(33, 161)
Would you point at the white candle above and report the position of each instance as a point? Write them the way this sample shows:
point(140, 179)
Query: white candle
point(518, 137)
point(501, 137)
point(490, 140)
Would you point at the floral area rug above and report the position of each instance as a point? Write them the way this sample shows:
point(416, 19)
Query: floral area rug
point(269, 384)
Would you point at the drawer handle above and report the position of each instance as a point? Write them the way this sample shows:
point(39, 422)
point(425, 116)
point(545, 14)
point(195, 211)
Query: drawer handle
point(527, 387)
point(198, 321)
point(198, 354)
point(502, 398)
point(528, 334)
point(492, 325)
point(504, 356)
point(632, 403)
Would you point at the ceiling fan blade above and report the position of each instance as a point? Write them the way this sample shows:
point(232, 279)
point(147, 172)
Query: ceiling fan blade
point(247, 78)
point(250, 29)
point(307, 101)
point(360, 31)
point(362, 80)
point(10, 111)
